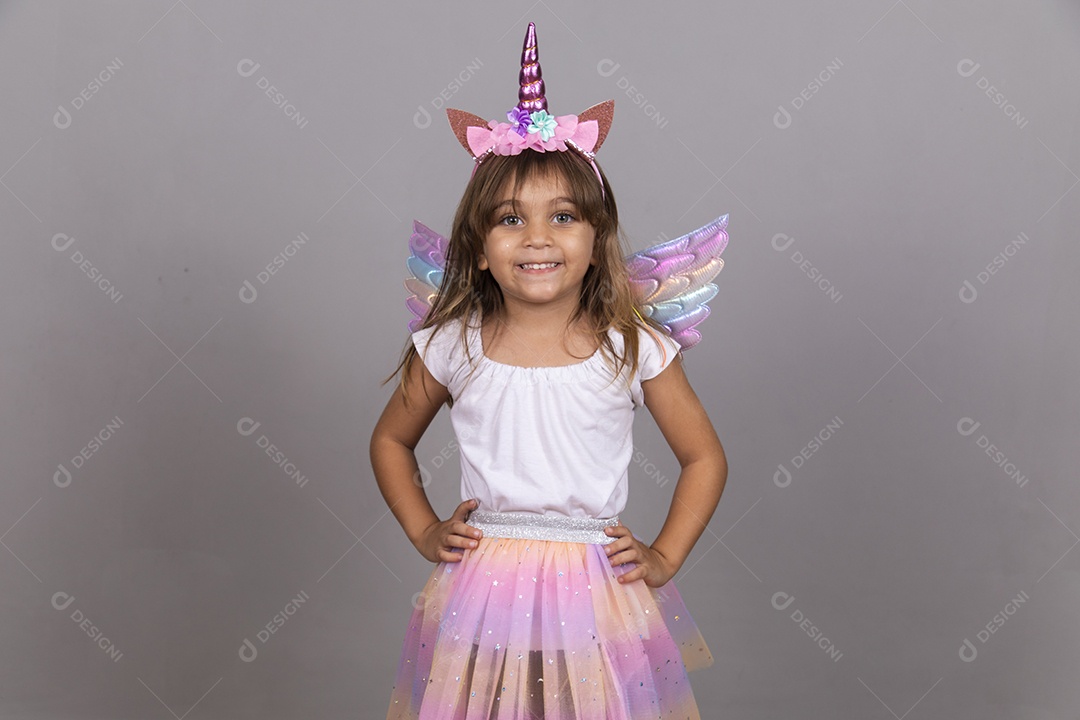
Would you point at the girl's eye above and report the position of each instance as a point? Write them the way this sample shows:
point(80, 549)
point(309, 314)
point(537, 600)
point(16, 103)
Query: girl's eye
point(510, 217)
point(566, 215)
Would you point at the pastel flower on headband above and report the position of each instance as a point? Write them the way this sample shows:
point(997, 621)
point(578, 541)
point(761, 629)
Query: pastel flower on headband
point(543, 124)
point(531, 127)
point(519, 116)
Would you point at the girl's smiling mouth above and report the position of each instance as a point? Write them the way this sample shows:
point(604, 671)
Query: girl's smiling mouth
point(538, 268)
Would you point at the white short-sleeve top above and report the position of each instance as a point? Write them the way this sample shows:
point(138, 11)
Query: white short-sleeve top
point(546, 440)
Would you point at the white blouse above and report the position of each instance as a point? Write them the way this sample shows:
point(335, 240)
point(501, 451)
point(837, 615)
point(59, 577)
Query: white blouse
point(545, 440)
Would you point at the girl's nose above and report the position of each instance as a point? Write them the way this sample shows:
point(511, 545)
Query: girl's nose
point(537, 237)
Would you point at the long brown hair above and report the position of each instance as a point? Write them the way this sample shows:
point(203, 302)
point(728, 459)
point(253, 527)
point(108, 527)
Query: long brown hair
point(606, 297)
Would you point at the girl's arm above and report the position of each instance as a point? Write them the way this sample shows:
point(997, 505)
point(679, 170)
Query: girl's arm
point(686, 427)
point(393, 441)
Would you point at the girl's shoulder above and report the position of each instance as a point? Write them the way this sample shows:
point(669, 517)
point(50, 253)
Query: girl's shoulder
point(656, 350)
point(441, 349)
point(445, 332)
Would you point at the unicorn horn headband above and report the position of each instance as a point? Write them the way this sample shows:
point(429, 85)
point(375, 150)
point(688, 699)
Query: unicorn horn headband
point(530, 127)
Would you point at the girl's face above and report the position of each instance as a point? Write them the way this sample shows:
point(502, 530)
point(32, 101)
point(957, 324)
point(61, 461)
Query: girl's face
point(548, 230)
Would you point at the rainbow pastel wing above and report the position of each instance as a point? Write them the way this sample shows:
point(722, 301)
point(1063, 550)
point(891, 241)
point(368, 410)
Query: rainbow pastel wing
point(672, 281)
point(426, 264)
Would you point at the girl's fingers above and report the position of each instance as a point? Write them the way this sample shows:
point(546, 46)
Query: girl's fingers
point(460, 541)
point(615, 545)
point(467, 530)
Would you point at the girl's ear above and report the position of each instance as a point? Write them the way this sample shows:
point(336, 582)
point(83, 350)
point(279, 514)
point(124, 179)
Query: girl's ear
point(483, 264)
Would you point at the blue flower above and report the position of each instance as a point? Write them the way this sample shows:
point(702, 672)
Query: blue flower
point(543, 124)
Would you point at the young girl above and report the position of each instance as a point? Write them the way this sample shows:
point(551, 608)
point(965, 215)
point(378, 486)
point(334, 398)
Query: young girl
point(542, 604)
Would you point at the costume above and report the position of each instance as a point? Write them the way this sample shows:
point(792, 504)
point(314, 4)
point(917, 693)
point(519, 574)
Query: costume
point(532, 623)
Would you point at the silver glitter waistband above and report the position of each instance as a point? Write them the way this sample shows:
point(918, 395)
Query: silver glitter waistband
point(561, 528)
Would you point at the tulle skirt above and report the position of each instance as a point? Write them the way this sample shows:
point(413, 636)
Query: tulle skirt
point(530, 627)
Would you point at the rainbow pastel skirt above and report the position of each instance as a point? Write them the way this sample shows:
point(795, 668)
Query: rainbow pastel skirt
point(532, 623)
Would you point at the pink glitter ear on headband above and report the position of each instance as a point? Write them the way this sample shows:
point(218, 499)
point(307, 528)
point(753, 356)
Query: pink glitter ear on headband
point(530, 127)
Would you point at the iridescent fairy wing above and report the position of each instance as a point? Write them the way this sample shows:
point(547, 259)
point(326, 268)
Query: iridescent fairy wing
point(671, 281)
point(426, 265)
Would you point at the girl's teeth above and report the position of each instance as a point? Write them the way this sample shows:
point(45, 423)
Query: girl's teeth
point(538, 266)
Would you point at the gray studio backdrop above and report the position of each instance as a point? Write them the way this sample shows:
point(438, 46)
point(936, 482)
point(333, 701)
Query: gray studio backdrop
point(206, 209)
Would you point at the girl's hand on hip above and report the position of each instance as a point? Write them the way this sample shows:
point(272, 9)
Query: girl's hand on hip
point(652, 567)
point(438, 541)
